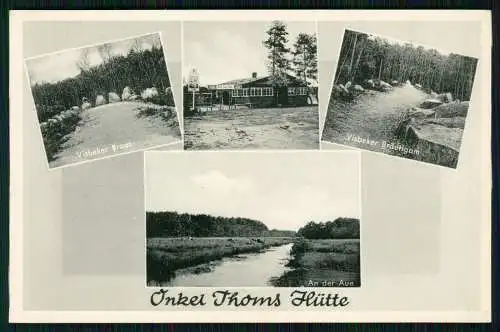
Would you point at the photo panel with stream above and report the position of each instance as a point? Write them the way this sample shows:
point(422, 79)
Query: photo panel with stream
point(240, 219)
point(101, 100)
point(250, 85)
point(399, 98)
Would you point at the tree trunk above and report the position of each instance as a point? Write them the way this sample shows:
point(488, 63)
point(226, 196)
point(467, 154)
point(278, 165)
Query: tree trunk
point(380, 68)
point(352, 55)
point(357, 61)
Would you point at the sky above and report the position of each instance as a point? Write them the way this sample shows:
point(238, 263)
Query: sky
point(223, 51)
point(283, 190)
point(61, 65)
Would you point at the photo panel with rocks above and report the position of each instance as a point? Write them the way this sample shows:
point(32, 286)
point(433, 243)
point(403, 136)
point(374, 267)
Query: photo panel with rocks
point(399, 98)
point(103, 100)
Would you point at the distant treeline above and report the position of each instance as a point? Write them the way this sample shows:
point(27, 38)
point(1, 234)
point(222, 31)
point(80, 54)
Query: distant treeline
point(173, 224)
point(364, 57)
point(340, 228)
point(139, 70)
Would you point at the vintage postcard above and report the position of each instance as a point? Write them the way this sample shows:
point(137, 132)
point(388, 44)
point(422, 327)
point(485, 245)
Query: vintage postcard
point(103, 100)
point(250, 85)
point(302, 228)
point(399, 98)
point(260, 220)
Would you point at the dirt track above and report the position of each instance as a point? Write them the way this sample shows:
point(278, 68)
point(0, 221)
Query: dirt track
point(372, 115)
point(271, 128)
point(111, 129)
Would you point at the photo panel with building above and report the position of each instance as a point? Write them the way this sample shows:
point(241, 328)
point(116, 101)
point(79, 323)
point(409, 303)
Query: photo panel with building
point(102, 100)
point(232, 219)
point(250, 85)
point(399, 98)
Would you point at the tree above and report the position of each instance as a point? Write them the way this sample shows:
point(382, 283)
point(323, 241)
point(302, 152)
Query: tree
point(83, 62)
point(105, 52)
point(278, 61)
point(305, 63)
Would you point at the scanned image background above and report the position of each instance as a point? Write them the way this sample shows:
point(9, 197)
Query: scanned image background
point(420, 231)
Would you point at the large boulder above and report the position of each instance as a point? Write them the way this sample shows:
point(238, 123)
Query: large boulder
point(430, 103)
point(418, 86)
point(383, 86)
point(455, 122)
point(127, 93)
point(433, 95)
point(394, 83)
point(149, 93)
point(113, 97)
point(99, 100)
point(75, 108)
point(419, 113)
point(357, 88)
point(348, 85)
point(451, 110)
point(86, 105)
point(445, 97)
point(369, 84)
point(408, 83)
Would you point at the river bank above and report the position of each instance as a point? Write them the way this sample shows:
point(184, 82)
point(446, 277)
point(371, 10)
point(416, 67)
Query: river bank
point(167, 257)
point(322, 263)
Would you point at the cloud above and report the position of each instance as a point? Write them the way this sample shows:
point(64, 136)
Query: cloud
point(215, 182)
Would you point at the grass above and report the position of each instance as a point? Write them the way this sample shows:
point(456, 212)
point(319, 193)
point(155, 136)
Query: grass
point(166, 113)
point(166, 255)
point(326, 262)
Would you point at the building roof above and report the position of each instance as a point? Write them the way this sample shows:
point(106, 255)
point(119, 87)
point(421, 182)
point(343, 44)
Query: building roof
point(247, 80)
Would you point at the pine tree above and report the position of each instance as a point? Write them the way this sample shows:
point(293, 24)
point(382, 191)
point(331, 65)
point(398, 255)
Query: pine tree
point(278, 61)
point(304, 58)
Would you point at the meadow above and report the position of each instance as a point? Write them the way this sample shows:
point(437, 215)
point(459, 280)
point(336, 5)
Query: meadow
point(166, 255)
point(323, 263)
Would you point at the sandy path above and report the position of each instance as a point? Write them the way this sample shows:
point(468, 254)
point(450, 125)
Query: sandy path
point(373, 115)
point(111, 129)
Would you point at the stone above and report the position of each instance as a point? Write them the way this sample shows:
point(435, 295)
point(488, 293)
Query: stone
point(99, 100)
point(86, 105)
point(416, 112)
point(149, 93)
point(451, 110)
point(358, 88)
point(127, 93)
point(113, 97)
point(418, 86)
point(445, 97)
point(430, 103)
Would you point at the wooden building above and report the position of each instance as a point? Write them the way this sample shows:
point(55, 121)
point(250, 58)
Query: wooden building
point(258, 92)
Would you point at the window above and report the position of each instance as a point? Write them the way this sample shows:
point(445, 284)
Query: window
point(240, 92)
point(302, 91)
point(291, 91)
point(252, 92)
point(267, 92)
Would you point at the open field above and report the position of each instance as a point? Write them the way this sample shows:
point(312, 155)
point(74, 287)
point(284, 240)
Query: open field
point(277, 128)
point(165, 256)
point(323, 263)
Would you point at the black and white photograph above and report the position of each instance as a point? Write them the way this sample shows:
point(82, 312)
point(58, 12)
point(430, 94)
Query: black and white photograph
point(399, 98)
point(250, 85)
point(256, 219)
point(102, 100)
